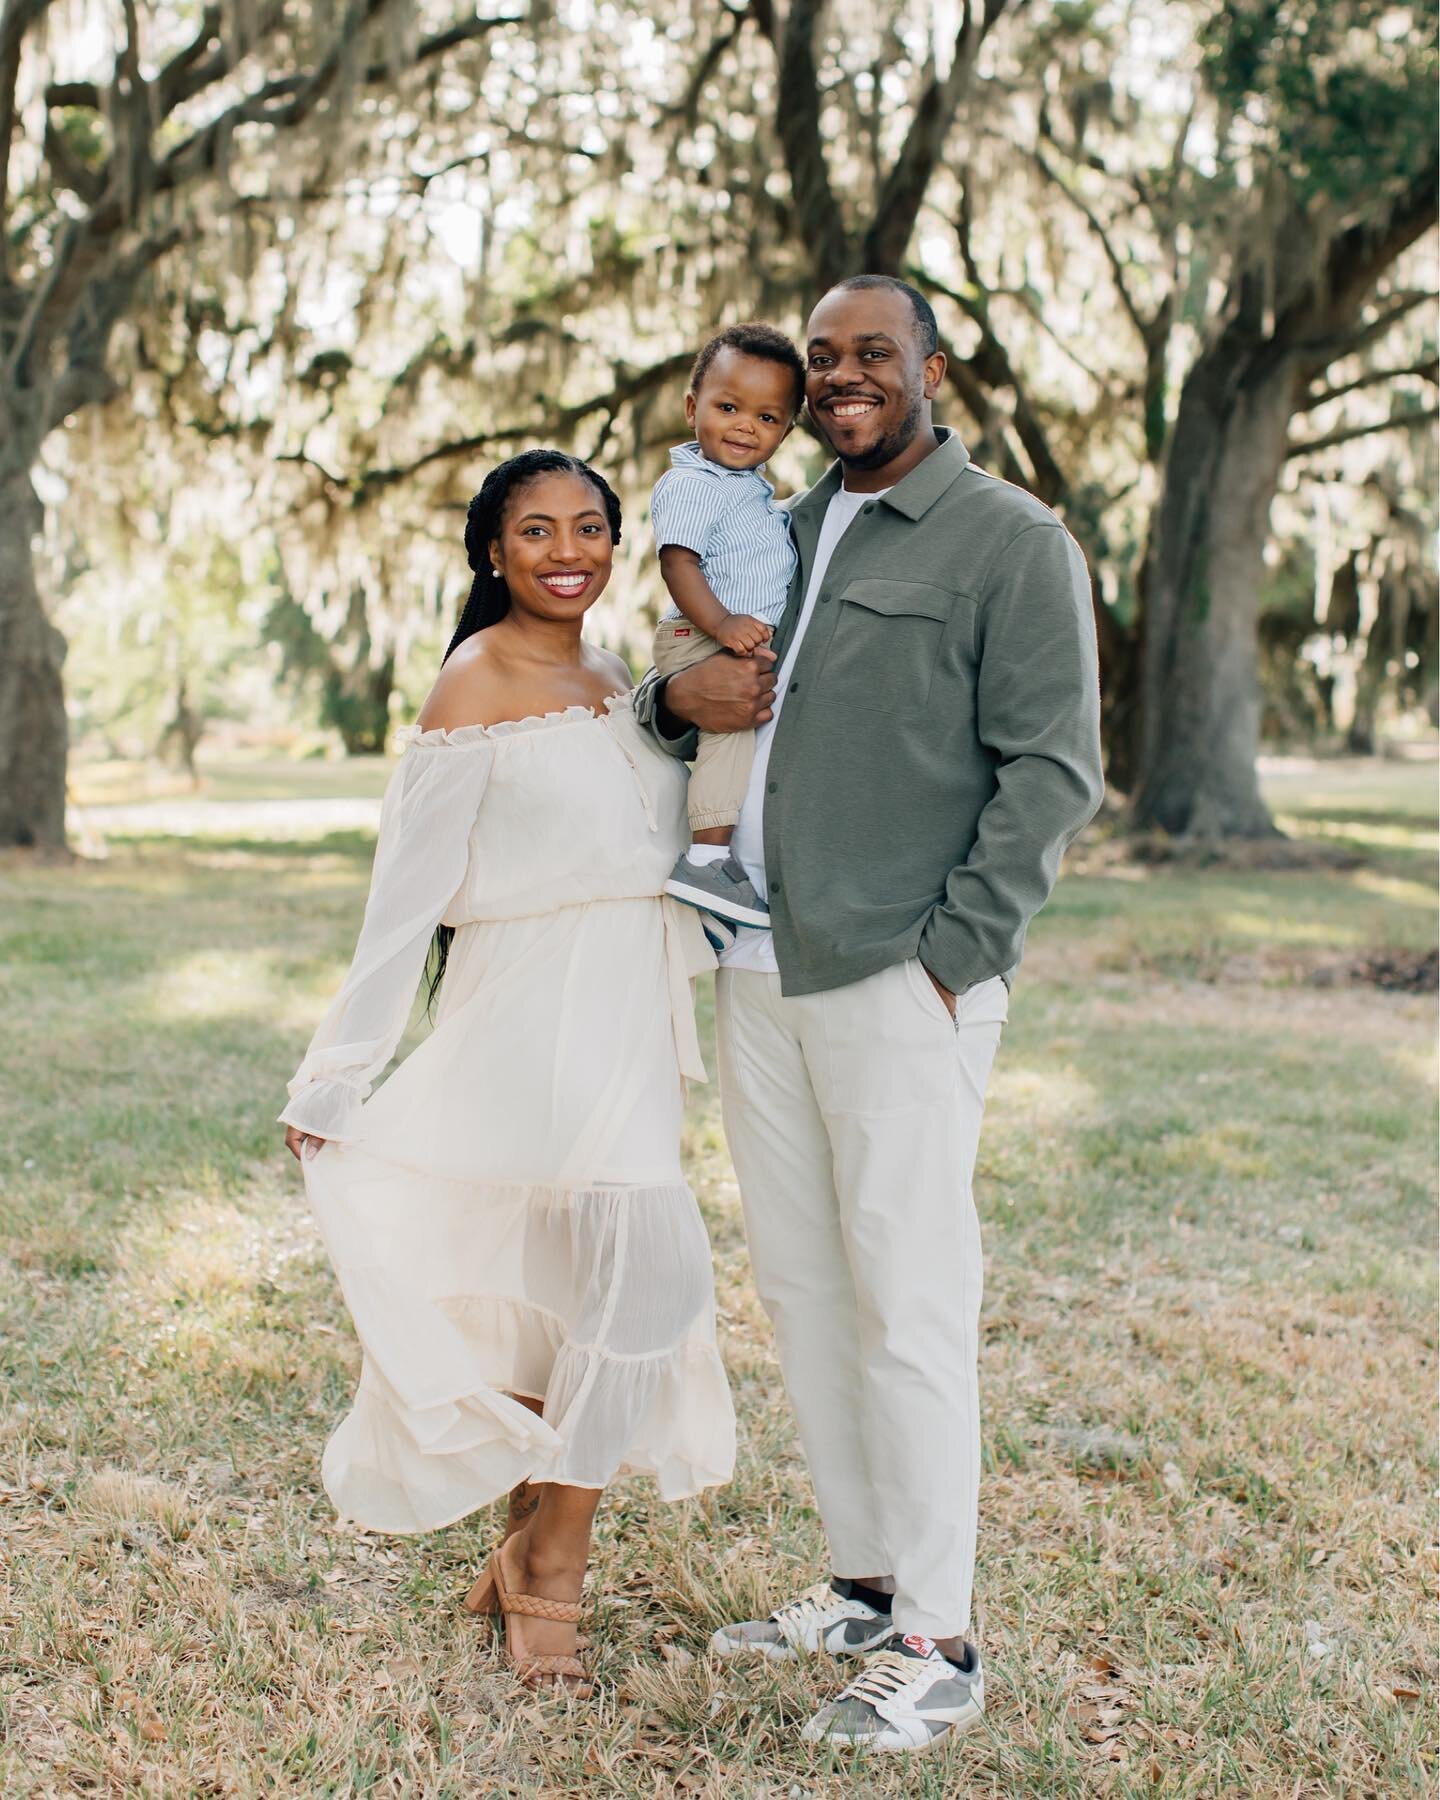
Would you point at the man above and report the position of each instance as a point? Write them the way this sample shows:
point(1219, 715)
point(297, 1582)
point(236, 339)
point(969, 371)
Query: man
point(930, 747)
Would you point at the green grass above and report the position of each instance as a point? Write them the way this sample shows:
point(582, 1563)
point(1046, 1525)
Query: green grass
point(1208, 1194)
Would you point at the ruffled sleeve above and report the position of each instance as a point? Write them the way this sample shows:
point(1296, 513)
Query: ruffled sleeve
point(420, 860)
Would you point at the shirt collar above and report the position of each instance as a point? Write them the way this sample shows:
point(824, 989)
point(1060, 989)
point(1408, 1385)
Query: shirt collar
point(916, 493)
point(691, 456)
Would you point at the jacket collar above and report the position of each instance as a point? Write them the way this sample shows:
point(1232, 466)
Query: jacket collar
point(916, 494)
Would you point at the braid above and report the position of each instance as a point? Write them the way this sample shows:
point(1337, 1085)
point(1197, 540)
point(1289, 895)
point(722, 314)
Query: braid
point(489, 599)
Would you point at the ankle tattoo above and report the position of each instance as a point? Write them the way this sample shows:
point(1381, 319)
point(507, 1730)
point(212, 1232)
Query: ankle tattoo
point(524, 1499)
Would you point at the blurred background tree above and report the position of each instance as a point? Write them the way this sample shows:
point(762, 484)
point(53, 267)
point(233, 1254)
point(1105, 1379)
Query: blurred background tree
point(294, 278)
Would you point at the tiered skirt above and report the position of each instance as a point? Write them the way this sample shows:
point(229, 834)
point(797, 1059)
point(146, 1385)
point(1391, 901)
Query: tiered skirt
point(513, 1224)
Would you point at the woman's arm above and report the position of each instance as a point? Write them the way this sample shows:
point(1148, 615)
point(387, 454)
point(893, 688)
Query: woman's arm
point(420, 861)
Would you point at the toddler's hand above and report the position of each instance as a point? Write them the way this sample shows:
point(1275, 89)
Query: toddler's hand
point(741, 634)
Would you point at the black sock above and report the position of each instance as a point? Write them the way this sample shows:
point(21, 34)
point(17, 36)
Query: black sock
point(856, 1590)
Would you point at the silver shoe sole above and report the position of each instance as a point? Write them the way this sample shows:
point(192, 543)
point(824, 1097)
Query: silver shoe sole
point(723, 909)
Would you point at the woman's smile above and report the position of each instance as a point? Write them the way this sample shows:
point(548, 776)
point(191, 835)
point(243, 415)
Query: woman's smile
point(567, 583)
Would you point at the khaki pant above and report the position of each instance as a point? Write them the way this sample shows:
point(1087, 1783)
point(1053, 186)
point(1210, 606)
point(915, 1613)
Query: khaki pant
point(721, 770)
point(853, 1118)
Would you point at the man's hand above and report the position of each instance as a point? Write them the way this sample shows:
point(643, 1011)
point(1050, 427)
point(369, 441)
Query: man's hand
point(303, 1144)
point(945, 994)
point(723, 693)
point(740, 634)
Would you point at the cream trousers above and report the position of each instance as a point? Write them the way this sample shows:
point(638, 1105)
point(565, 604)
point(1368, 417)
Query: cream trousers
point(853, 1118)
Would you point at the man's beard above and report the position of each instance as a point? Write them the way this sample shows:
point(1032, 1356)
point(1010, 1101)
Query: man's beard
point(891, 444)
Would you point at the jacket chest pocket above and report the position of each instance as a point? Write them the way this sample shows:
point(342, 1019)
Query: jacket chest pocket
point(887, 643)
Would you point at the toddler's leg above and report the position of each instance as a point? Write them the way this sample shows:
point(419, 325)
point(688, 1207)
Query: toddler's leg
point(718, 780)
point(708, 876)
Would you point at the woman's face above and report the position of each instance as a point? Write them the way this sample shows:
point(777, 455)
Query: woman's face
point(554, 547)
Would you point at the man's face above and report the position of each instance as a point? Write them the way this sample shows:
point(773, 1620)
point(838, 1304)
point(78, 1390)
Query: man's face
point(867, 385)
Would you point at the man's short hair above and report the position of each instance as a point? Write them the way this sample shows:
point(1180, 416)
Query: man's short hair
point(927, 332)
point(753, 339)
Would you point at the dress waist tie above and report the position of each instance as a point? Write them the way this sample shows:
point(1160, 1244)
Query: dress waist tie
point(687, 954)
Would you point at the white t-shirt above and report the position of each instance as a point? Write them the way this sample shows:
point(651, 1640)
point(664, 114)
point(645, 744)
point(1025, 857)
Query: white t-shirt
point(756, 949)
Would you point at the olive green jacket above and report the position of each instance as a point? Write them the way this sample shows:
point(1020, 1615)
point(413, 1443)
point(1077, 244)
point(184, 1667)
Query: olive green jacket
point(939, 744)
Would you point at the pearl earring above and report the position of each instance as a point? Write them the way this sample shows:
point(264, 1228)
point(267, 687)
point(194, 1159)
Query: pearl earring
point(494, 574)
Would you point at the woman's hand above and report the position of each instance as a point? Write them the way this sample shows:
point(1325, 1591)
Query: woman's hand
point(304, 1146)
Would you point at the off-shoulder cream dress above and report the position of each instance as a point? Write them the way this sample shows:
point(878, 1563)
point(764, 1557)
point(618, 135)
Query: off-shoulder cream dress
point(507, 1215)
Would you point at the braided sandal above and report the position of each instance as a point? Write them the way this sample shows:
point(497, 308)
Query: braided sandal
point(491, 1595)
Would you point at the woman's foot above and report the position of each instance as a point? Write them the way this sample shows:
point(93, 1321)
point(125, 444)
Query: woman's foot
point(528, 1636)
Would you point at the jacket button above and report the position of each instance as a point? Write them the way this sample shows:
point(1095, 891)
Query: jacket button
point(868, 507)
point(774, 787)
point(793, 686)
point(774, 887)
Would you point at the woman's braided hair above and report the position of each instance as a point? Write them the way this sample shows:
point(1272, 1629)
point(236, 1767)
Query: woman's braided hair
point(489, 598)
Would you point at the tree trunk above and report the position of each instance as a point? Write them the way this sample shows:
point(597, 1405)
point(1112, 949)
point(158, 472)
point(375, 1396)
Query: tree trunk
point(34, 731)
point(180, 738)
point(1200, 690)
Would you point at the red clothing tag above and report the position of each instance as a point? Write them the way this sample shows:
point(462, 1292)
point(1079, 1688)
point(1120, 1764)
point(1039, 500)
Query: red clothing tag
point(682, 631)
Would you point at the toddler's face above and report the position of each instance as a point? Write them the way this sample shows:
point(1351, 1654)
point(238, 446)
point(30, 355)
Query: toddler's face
point(744, 409)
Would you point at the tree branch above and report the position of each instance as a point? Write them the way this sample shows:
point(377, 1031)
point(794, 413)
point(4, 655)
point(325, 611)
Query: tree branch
point(819, 222)
point(16, 19)
point(67, 168)
point(73, 93)
point(687, 106)
point(1112, 257)
point(1403, 421)
point(901, 194)
point(1430, 369)
point(288, 100)
point(629, 386)
point(993, 366)
point(173, 84)
point(1317, 354)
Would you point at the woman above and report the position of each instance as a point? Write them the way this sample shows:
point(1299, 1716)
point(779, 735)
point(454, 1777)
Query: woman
point(525, 1265)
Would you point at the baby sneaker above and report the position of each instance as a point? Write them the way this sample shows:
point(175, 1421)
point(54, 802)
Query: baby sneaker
point(720, 888)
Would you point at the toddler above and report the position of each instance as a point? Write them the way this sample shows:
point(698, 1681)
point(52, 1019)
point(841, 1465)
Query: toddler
point(727, 559)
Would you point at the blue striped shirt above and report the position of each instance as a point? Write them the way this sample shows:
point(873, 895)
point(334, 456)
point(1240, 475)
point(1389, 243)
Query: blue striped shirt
point(729, 518)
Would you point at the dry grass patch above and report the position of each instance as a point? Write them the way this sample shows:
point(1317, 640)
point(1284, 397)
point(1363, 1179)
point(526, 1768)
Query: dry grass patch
point(1207, 1554)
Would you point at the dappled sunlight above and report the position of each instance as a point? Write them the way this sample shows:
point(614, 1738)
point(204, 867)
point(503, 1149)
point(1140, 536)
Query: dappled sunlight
point(1360, 830)
point(282, 820)
point(236, 984)
point(208, 1249)
point(1274, 928)
point(1396, 888)
point(1019, 1090)
point(1415, 1062)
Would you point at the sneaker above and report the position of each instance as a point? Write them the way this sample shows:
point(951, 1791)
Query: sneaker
point(722, 888)
point(719, 933)
point(824, 1617)
point(906, 1697)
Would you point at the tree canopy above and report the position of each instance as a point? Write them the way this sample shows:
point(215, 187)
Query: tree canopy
point(327, 265)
